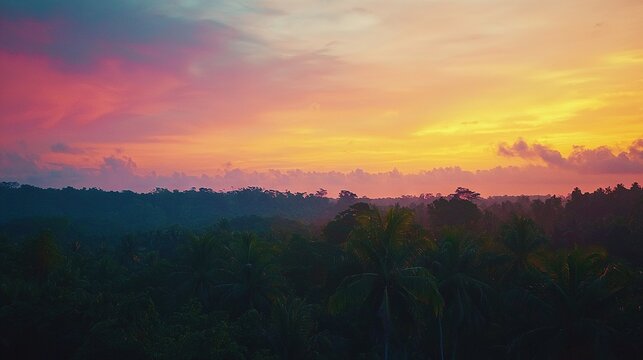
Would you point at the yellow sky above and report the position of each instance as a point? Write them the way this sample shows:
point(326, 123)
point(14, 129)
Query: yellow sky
point(322, 85)
point(429, 84)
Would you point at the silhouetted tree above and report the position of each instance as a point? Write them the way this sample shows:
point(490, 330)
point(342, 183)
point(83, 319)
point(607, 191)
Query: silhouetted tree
point(292, 329)
point(521, 238)
point(391, 286)
point(248, 278)
point(467, 310)
point(338, 229)
point(580, 294)
point(455, 212)
point(463, 193)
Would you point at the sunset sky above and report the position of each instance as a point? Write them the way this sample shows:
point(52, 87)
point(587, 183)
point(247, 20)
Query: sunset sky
point(380, 97)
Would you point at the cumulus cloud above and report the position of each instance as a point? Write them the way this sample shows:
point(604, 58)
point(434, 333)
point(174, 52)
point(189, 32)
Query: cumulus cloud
point(600, 160)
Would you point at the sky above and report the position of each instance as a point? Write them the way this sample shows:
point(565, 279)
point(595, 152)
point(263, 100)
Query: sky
point(383, 98)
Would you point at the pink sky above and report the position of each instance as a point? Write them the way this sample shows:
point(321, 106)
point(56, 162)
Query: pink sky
point(382, 98)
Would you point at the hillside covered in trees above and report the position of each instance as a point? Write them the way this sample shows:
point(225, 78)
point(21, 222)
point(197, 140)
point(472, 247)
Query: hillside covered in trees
point(258, 274)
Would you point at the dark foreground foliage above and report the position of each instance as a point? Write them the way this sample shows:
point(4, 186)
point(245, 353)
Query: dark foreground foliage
point(548, 278)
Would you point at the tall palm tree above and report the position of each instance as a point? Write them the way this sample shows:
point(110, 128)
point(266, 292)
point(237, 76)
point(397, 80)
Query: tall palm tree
point(391, 285)
point(467, 305)
point(198, 274)
point(579, 296)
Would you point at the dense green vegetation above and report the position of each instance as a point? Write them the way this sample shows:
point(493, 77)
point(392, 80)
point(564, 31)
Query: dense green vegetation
point(254, 274)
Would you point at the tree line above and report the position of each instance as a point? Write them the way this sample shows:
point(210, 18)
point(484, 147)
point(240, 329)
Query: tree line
point(452, 278)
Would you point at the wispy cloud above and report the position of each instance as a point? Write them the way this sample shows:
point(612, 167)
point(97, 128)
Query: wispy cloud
point(65, 64)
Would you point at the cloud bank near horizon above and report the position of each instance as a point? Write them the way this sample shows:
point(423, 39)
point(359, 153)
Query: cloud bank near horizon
point(555, 174)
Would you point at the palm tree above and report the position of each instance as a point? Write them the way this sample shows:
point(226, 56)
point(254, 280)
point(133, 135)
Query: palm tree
point(579, 296)
point(292, 327)
point(521, 238)
point(198, 275)
point(391, 285)
point(456, 266)
point(248, 278)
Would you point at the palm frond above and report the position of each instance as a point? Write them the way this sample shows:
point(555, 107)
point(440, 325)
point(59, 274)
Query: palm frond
point(352, 292)
point(422, 287)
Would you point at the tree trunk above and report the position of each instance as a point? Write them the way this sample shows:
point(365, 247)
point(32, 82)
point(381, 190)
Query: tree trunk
point(441, 338)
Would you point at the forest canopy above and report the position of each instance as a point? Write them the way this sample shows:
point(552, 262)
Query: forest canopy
point(260, 274)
